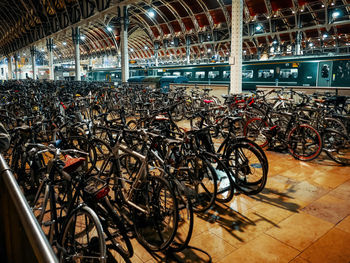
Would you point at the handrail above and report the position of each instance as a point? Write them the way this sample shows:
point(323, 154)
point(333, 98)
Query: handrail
point(40, 245)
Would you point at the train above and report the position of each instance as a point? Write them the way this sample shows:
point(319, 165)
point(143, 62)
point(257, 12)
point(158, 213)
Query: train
point(323, 71)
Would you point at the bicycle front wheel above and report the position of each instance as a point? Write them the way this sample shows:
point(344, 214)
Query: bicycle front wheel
point(156, 226)
point(82, 238)
point(304, 142)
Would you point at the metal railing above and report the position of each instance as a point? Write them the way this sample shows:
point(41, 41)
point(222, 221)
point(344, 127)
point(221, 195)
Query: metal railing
point(21, 237)
point(310, 89)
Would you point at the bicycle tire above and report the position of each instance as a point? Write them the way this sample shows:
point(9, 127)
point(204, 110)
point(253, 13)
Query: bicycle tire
point(95, 242)
point(247, 166)
point(302, 136)
point(337, 146)
point(148, 226)
point(253, 131)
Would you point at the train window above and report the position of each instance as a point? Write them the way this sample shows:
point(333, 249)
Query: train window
point(167, 74)
point(325, 71)
point(200, 74)
point(291, 73)
point(226, 74)
point(188, 75)
point(213, 74)
point(247, 74)
point(177, 73)
point(266, 73)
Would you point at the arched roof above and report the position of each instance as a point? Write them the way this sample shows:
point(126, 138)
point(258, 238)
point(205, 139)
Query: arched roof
point(269, 26)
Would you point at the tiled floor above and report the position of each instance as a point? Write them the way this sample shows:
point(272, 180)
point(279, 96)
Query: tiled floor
point(303, 215)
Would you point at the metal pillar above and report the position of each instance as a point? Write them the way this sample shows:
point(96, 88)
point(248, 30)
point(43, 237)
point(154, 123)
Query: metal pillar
point(49, 46)
point(9, 68)
point(188, 49)
point(32, 53)
point(298, 44)
point(156, 50)
point(76, 42)
point(236, 47)
point(124, 43)
point(16, 66)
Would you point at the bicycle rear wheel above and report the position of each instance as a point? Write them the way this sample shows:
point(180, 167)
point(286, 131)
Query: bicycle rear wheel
point(253, 131)
point(337, 146)
point(155, 228)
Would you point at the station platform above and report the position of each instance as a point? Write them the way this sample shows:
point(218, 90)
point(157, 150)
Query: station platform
point(302, 215)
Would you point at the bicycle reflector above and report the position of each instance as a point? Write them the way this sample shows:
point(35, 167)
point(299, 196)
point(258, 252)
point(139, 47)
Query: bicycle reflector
point(96, 188)
point(102, 193)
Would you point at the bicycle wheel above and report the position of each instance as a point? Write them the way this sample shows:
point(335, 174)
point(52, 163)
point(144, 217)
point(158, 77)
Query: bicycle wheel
point(304, 142)
point(247, 166)
point(87, 246)
point(337, 146)
point(225, 184)
point(185, 219)
point(201, 182)
point(253, 131)
point(156, 226)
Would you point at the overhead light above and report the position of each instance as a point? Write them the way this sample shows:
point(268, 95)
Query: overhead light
point(42, 50)
point(332, 3)
point(275, 42)
point(131, 50)
point(109, 29)
point(274, 15)
point(322, 6)
point(325, 35)
point(293, 12)
point(301, 10)
point(54, 46)
point(336, 14)
point(311, 44)
point(258, 27)
point(268, 17)
point(151, 14)
point(209, 50)
point(146, 47)
point(24, 54)
point(82, 37)
point(64, 43)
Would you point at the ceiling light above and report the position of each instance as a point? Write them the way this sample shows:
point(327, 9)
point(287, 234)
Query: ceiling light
point(332, 3)
point(311, 44)
point(275, 41)
point(109, 29)
point(151, 14)
point(325, 35)
point(64, 43)
point(42, 50)
point(146, 47)
point(301, 10)
point(131, 50)
point(293, 12)
point(209, 50)
point(322, 6)
point(336, 14)
point(24, 54)
point(258, 27)
point(267, 17)
point(54, 46)
point(82, 37)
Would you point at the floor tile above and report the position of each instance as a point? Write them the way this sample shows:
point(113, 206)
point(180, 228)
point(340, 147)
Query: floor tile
point(299, 260)
point(345, 224)
point(342, 191)
point(300, 230)
point(262, 249)
point(241, 230)
point(332, 247)
point(329, 208)
point(215, 246)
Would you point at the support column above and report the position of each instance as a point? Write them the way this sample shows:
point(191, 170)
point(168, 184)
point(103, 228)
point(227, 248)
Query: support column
point(32, 53)
point(49, 46)
point(156, 50)
point(16, 66)
point(236, 47)
point(9, 68)
point(188, 50)
point(298, 44)
point(76, 42)
point(124, 43)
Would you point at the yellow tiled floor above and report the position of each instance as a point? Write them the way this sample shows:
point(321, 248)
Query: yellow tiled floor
point(303, 215)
